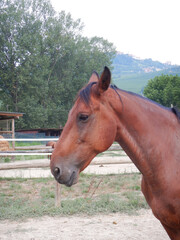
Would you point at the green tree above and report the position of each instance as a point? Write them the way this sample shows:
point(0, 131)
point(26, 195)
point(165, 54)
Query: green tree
point(44, 61)
point(164, 89)
point(23, 64)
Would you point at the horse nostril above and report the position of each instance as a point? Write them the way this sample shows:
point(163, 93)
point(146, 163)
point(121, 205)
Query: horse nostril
point(56, 171)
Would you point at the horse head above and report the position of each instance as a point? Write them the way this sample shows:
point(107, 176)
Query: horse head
point(89, 130)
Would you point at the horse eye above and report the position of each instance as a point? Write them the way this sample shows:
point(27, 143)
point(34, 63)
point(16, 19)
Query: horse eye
point(83, 117)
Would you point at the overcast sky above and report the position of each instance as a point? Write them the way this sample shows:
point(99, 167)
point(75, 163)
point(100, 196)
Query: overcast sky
point(143, 28)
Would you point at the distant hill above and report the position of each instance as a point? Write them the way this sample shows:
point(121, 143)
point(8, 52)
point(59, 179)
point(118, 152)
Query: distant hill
point(132, 74)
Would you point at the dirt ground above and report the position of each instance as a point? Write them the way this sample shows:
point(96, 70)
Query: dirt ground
point(143, 226)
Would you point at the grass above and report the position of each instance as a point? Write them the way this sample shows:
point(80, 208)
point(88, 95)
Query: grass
point(24, 144)
point(21, 158)
point(24, 198)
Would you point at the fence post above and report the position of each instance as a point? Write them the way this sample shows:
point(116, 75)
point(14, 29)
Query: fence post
point(13, 133)
point(57, 194)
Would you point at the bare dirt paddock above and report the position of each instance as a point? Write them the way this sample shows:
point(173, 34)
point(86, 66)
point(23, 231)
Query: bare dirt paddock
point(143, 226)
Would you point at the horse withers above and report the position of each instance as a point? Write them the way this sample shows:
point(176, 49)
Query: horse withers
point(148, 132)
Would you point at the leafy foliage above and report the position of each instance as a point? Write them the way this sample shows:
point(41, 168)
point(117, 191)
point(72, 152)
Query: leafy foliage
point(44, 61)
point(164, 89)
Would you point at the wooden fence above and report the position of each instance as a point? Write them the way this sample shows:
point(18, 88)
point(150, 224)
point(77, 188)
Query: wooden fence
point(44, 163)
point(42, 150)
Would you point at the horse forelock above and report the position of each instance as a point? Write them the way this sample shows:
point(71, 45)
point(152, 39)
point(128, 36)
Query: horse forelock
point(85, 93)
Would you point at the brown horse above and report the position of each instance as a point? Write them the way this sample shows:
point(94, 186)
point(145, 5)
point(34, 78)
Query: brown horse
point(148, 132)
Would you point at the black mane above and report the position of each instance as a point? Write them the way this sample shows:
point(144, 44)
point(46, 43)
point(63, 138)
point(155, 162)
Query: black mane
point(84, 95)
point(176, 112)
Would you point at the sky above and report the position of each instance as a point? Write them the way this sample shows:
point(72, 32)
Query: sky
point(143, 28)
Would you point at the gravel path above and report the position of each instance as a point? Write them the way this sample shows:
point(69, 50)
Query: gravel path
point(143, 226)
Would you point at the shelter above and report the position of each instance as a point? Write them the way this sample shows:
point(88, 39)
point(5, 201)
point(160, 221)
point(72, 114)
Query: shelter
point(7, 123)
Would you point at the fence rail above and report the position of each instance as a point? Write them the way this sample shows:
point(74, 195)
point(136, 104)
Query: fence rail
point(39, 150)
point(28, 139)
point(44, 163)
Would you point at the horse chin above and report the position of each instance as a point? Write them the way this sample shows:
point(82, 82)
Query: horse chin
point(73, 179)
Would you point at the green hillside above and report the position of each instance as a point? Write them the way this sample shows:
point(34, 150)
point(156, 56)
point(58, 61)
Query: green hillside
point(133, 74)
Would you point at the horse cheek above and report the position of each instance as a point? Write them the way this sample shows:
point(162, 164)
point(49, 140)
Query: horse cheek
point(105, 138)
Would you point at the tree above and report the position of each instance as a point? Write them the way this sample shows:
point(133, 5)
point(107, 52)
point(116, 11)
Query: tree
point(164, 89)
point(23, 64)
point(44, 61)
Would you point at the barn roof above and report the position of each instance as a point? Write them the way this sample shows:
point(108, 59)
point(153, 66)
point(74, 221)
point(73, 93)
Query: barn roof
point(10, 115)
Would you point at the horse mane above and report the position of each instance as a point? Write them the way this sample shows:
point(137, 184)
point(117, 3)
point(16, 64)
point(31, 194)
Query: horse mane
point(176, 112)
point(84, 95)
point(173, 109)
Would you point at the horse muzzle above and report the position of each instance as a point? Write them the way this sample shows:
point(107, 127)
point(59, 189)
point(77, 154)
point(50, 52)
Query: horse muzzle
point(64, 174)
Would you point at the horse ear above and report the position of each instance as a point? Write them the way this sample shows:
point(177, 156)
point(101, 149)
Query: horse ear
point(104, 80)
point(94, 77)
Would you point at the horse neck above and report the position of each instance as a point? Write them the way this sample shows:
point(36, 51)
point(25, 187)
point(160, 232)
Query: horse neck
point(140, 123)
